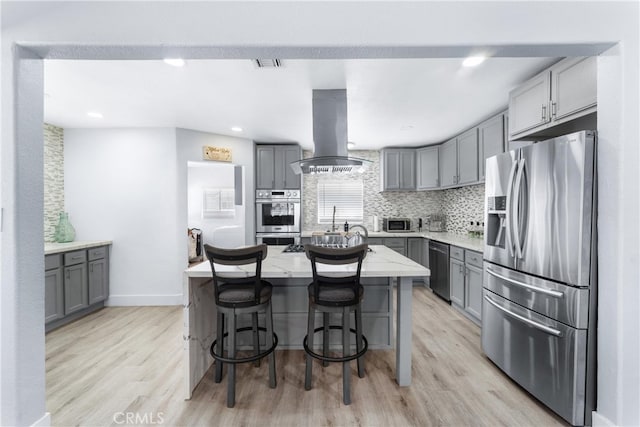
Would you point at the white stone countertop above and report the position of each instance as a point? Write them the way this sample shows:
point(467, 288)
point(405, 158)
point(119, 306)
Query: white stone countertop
point(466, 242)
point(381, 262)
point(55, 248)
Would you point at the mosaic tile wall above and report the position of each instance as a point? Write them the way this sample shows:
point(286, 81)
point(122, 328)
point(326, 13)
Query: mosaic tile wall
point(53, 178)
point(405, 204)
point(461, 205)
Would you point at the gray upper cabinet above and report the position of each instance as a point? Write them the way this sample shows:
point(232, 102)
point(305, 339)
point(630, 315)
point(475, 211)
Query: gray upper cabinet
point(573, 87)
point(468, 157)
point(272, 167)
point(427, 168)
point(448, 162)
point(490, 141)
point(398, 171)
point(564, 92)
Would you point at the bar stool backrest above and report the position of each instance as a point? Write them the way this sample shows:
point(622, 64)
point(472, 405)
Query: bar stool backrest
point(336, 256)
point(241, 256)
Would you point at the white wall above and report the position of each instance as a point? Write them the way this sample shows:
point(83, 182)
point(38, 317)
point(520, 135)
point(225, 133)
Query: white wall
point(356, 28)
point(120, 185)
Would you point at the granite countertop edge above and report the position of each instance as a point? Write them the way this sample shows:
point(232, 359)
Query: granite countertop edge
point(51, 248)
point(465, 242)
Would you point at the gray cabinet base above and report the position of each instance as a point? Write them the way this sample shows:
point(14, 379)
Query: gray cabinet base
point(74, 316)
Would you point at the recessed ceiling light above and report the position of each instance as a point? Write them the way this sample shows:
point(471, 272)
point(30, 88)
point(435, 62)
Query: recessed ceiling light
point(94, 114)
point(351, 145)
point(406, 127)
point(472, 61)
point(236, 129)
point(176, 62)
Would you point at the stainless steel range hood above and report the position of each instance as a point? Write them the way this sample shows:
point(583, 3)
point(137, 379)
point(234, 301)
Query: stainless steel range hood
point(330, 137)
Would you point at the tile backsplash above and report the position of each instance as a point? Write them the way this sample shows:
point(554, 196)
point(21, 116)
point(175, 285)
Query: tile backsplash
point(53, 178)
point(461, 205)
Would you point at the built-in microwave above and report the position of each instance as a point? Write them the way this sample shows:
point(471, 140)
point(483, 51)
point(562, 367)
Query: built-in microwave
point(396, 224)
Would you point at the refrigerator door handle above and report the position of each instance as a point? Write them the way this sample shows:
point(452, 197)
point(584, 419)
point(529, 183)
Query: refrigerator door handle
point(539, 326)
point(516, 210)
point(549, 292)
point(509, 236)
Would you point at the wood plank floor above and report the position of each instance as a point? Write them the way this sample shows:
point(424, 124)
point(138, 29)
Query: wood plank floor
point(126, 362)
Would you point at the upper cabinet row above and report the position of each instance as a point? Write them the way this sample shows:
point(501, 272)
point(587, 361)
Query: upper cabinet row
point(272, 167)
point(559, 94)
point(457, 162)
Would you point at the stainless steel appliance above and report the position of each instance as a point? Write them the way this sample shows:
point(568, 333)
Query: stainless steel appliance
point(396, 224)
point(278, 216)
point(439, 266)
point(540, 290)
point(436, 222)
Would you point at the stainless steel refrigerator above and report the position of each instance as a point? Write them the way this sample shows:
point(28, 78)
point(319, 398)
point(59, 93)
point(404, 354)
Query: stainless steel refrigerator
point(540, 280)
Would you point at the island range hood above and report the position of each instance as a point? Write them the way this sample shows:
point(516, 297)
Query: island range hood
point(330, 137)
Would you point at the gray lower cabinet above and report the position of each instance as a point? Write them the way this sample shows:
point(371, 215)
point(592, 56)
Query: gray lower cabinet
point(465, 275)
point(76, 283)
point(398, 244)
point(53, 288)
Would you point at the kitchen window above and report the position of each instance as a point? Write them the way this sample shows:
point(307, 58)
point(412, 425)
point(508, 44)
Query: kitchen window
point(346, 195)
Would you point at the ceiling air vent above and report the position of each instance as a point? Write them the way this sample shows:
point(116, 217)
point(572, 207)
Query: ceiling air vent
point(268, 63)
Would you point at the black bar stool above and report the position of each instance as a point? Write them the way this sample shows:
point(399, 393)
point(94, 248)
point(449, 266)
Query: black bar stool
point(332, 294)
point(241, 295)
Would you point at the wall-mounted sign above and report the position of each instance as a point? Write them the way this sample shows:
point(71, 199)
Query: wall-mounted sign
point(220, 154)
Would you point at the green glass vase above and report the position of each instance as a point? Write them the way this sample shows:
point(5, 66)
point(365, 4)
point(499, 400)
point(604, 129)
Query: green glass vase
point(64, 230)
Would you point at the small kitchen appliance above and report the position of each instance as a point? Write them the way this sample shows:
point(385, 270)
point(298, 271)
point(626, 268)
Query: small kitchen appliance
point(396, 224)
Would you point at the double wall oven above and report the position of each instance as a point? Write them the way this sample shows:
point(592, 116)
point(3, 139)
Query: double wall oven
point(278, 217)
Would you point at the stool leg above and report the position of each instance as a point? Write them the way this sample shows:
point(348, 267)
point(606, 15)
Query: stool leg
point(231, 380)
point(219, 346)
point(325, 337)
point(346, 371)
point(360, 360)
point(310, 328)
point(269, 343)
point(256, 339)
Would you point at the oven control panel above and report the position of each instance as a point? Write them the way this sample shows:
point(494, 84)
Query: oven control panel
point(277, 194)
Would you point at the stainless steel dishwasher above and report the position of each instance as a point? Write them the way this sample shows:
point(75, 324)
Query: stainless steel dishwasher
point(439, 266)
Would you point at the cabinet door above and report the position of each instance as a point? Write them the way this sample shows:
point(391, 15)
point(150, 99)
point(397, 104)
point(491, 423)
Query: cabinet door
point(448, 162)
point(53, 295)
point(407, 170)
point(456, 280)
point(398, 244)
point(573, 86)
point(528, 104)
point(473, 294)
point(490, 141)
point(390, 170)
point(265, 165)
point(468, 157)
point(414, 249)
point(98, 282)
point(75, 288)
point(427, 168)
point(290, 154)
point(425, 259)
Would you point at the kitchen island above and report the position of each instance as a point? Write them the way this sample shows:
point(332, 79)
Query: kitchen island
point(290, 273)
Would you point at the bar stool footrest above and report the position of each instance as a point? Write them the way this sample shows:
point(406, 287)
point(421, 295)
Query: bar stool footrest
point(244, 359)
point(335, 359)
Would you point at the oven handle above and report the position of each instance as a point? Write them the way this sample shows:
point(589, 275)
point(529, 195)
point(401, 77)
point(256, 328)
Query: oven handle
point(543, 328)
point(555, 294)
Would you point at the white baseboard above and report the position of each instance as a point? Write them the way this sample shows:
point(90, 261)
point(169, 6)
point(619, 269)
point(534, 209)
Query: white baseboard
point(142, 300)
point(599, 420)
point(45, 421)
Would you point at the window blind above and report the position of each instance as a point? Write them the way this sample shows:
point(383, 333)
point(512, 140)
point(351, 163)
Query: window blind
point(345, 195)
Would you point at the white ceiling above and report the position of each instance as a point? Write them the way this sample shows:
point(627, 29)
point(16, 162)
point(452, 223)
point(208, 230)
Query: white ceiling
point(391, 102)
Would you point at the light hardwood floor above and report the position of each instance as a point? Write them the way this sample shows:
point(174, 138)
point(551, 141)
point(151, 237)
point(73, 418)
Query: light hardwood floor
point(126, 362)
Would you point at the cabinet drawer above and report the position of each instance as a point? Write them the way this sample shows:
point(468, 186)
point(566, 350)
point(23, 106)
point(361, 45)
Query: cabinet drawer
point(52, 261)
point(395, 242)
point(457, 253)
point(473, 258)
point(76, 257)
point(97, 253)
